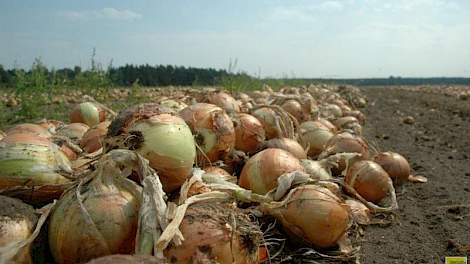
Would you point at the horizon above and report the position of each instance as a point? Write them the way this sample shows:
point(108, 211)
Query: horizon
point(347, 39)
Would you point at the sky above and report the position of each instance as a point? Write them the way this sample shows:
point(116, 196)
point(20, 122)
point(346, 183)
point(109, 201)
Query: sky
point(270, 38)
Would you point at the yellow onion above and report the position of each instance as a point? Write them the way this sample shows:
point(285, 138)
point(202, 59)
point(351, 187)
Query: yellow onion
point(294, 108)
point(92, 140)
point(396, 166)
point(97, 218)
point(32, 129)
point(213, 130)
point(34, 164)
point(348, 122)
point(73, 131)
point(249, 133)
point(317, 170)
point(369, 180)
point(315, 136)
point(261, 171)
point(127, 259)
point(221, 173)
point(17, 222)
point(360, 213)
point(216, 233)
point(312, 214)
point(346, 143)
point(357, 114)
point(162, 138)
point(289, 145)
point(87, 113)
point(224, 101)
point(327, 124)
point(331, 111)
point(267, 117)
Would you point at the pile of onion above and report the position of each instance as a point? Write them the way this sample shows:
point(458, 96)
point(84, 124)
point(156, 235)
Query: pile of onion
point(261, 171)
point(294, 108)
point(164, 139)
point(213, 130)
point(35, 164)
point(315, 136)
point(17, 222)
point(396, 166)
point(224, 101)
point(97, 218)
point(93, 139)
point(249, 133)
point(369, 180)
point(216, 233)
point(313, 214)
point(87, 113)
point(289, 145)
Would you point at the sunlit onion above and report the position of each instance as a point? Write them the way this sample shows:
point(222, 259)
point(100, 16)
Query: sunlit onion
point(267, 117)
point(32, 129)
point(348, 122)
point(396, 166)
point(219, 172)
point(92, 140)
point(213, 130)
point(331, 111)
point(315, 136)
point(327, 124)
point(261, 171)
point(87, 113)
point(249, 133)
point(74, 131)
point(312, 214)
point(369, 180)
point(294, 108)
point(289, 145)
point(224, 101)
point(316, 169)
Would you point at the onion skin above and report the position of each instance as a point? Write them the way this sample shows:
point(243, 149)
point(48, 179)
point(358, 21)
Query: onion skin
point(224, 101)
point(126, 259)
point(87, 113)
point(360, 213)
point(346, 143)
point(221, 173)
point(249, 133)
point(74, 131)
point(17, 222)
point(213, 130)
point(312, 214)
point(396, 166)
point(314, 135)
point(72, 239)
point(267, 117)
point(216, 233)
point(289, 145)
point(328, 124)
point(261, 171)
point(92, 140)
point(32, 129)
point(315, 169)
point(294, 108)
point(369, 180)
point(168, 145)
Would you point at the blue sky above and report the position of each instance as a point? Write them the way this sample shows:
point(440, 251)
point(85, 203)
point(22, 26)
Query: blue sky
point(295, 38)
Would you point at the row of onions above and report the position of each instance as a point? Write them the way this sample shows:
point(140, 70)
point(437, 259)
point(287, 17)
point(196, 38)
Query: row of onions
point(188, 179)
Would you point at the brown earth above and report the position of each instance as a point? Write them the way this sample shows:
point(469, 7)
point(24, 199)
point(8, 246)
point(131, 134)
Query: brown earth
point(434, 217)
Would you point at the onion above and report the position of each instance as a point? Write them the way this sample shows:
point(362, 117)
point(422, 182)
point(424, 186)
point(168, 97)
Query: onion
point(357, 114)
point(294, 108)
point(219, 172)
point(369, 180)
point(360, 213)
point(316, 169)
point(92, 140)
point(331, 111)
point(96, 219)
point(32, 162)
point(348, 122)
point(267, 117)
point(315, 136)
point(17, 222)
point(347, 143)
point(50, 124)
point(261, 171)
point(327, 124)
point(216, 233)
point(126, 259)
point(213, 130)
point(164, 139)
point(32, 129)
point(312, 214)
point(87, 113)
point(225, 101)
point(396, 166)
point(289, 145)
point(174, 105)
point(249, 133)
point(74, 131)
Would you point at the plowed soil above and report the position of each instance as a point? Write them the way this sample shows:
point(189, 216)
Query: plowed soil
point(434, 217)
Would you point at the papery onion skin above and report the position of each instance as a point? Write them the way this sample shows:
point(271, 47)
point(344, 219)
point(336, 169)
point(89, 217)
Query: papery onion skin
point(315, 170)
point(261, 171)
point(395, 165)
point(17, 222)
point(289, 145)
point(32, 129)
point(369, 180)
point(74, 131)
point(314, 215)
point(294, 108)
point(267, 117)
point(221, 173)
point(213, 130)
point(168, 145)
point(224, 101)
point(216, 233)
point(315, 136)
point(87, 113)
point(249, 133)
point(327, 124)
point(360, 213)
point(92, 140)
point(114, 214)
point(347, 143)
point(127, 259)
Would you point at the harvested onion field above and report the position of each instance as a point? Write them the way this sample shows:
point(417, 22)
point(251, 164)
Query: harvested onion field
point(300, 175)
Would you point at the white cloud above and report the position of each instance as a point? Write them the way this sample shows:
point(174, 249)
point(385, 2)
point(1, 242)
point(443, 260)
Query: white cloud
point(109, 13)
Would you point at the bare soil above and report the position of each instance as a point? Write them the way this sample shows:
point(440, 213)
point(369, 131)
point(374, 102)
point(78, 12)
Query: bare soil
point(434, 217)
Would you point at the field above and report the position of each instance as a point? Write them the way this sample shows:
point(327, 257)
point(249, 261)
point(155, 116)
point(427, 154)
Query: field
point(430, 127)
